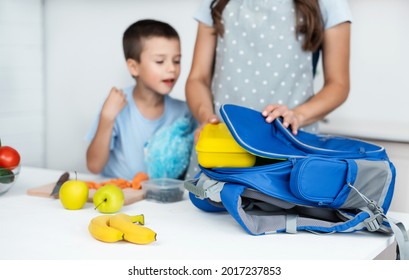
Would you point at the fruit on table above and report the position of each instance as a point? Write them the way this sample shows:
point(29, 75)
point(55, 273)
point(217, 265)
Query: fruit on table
point(74, 194)
point(113, 228)
point(109, 199)
point(100, 229)
point(9, 157)
point(133, 232)
point(140, 219)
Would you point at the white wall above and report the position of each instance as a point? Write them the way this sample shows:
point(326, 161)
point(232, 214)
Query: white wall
point(379, 96)
point(84, 60)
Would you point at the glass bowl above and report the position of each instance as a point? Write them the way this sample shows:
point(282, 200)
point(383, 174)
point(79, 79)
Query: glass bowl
point(8, 177)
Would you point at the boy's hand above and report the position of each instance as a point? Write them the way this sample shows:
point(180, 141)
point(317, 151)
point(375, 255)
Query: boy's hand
point(114, 104)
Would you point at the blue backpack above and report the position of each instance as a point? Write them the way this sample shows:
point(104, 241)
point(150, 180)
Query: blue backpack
point(321, 183)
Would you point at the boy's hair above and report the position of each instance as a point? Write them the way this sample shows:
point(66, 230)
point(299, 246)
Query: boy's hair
point(141, 30)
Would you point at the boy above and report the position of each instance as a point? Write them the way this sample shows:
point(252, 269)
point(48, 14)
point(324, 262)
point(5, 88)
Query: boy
point(130, 117)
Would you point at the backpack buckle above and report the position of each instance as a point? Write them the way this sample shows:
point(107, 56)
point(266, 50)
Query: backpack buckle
point(204, 187)
point(374, 222)
point(376, 215)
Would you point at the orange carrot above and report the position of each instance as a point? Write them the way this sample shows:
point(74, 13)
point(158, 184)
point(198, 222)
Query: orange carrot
point(120, 183)
point(137, 179)
point(91, 184)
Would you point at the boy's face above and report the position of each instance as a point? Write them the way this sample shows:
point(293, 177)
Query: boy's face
point(159, 66)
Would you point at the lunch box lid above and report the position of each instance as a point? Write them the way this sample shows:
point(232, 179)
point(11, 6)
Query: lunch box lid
point(216, 138)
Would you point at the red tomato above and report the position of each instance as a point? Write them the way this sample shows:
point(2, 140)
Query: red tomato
point(9, 157)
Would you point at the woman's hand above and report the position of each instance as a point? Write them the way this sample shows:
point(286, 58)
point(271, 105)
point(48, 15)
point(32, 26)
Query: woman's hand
point(290, 117)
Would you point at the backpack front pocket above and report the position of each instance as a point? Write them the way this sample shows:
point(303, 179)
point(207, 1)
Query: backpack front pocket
point(319, 180)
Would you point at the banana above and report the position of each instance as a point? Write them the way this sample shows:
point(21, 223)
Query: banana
point(140, 219)
point(100, 229)
point(133, 232)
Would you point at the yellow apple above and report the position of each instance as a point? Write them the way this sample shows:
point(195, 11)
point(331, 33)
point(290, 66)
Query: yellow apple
point(109, 199)
point(73, 194)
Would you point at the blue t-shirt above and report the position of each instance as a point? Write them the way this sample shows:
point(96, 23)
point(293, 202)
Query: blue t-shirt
point(131, 132)
point(333, 12)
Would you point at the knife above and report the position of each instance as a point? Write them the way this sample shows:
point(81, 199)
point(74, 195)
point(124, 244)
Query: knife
point(63, 178)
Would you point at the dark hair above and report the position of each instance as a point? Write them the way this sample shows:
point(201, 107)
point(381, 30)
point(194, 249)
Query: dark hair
point(310, 26)
point(136, 33)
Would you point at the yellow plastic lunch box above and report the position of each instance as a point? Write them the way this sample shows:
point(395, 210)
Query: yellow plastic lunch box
point(216, 147)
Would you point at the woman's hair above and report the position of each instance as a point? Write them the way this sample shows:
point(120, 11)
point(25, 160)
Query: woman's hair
point(309, 21)
point(136, 33)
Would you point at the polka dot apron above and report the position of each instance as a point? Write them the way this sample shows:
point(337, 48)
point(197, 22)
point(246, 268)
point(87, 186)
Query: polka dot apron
point(259, 60)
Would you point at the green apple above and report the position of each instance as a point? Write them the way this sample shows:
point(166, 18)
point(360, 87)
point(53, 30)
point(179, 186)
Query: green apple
point(73, 194)
point(109, 199)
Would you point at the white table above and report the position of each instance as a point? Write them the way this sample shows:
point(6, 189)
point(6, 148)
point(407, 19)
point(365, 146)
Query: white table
point(40, 228)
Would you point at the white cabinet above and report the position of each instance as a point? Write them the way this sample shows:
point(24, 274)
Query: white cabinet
point(22, 113)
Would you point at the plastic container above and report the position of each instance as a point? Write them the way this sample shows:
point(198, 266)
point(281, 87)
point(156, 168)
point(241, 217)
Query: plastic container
point(216, 147)
point(164, 190)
